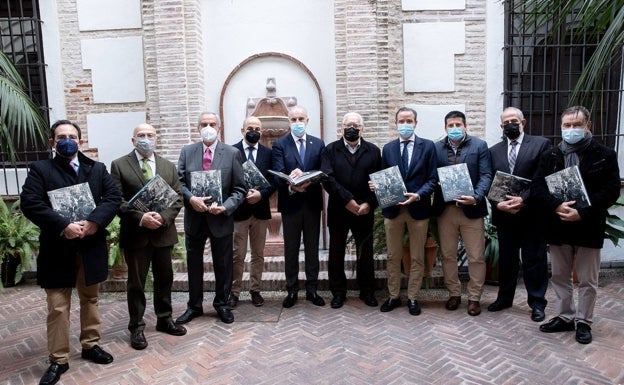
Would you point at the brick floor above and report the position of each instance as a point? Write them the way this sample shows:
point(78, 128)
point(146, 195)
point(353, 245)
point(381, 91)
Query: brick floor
point(307, 344)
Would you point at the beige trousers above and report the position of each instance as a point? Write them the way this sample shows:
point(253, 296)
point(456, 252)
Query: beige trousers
point(256, 230)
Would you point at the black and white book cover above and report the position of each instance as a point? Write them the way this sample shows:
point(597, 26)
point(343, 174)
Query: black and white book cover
point(308, 176)
point(253, 177)
point(207, 184)
point(73, 202)
point(156, 196)
point(389, 186)
point(455, 181)
point(568, 185)
point(504, 184)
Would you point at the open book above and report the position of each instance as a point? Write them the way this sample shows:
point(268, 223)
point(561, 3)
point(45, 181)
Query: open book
point(308, 176)
point(253, 177)
point(455, 181)
point(156, 196)
point(207, 184)
point(389, 186)
point(73, 202)
point(568, 185)
point(505, 184)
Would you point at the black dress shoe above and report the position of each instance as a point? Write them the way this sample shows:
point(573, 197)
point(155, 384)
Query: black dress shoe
point(137, 340)
point(338, 301)
point(583, 333)
point(413, 307)
point(453, 303)
point(232, 301)
point(188, 315)
point(167, 326)
point(498, 306)
point(315, 299)
point(225, 314)
point(557, 324)
point(390, 304)
point(256, 298)
point(290, 299)
point(369, 299)
point(538, 315)
point(53, 374)
point(97, 354)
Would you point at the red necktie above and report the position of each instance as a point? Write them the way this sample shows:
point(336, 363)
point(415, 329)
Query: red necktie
point(207, 159)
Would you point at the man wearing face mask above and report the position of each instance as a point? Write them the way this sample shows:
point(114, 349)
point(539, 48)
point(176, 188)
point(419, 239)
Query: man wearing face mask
point(416, 159)
point(520, 231)
point(294, 154)
point(251, 218)
point(347, 163)
point(576, 235)
point(147, 238)
point(72, 254)
point(203, 221)
point(463, 216)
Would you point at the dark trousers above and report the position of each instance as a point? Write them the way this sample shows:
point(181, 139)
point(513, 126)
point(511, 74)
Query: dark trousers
point(139, 261)
point(222, 254)
point(526, 238)
point(362, 229)
point(306, 221)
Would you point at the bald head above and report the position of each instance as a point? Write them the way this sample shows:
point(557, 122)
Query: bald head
point(144, 139)
point(252, 130)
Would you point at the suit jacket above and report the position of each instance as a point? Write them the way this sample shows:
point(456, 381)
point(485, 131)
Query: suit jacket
point(286, 159)
point(420, 178)
point(348, 177)
point(56, 262)
point(127, 173)
point(227, 159)
point(262, 209)
point(531, 151)
point(474, 152)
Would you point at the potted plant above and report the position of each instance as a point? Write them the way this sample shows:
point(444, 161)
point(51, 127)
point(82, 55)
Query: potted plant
point(19, 238)
point(491, 254)
point(116, 261)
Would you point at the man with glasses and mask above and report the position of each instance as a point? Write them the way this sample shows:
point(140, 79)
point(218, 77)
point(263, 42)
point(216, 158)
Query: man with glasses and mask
point(347, 163)
point(520, 231)
point(251, 218)
point(147, 238)
point(72, 254)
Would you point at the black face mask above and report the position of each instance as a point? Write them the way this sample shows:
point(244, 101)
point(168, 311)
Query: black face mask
point(351, 134)
point(512, 130)
point(252, 136)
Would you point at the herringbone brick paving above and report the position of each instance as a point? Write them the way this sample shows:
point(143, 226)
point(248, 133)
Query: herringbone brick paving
point(319, 345)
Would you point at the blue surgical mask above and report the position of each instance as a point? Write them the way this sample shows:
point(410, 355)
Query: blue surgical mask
point(66, 147)
point(405, 130)
point(455, 134)
point(145, 146)
point(573, 135)
point(298, 129)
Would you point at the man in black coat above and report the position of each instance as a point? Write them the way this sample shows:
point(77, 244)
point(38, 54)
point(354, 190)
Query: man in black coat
point(71, 254)
point(347, 163)
point(576, 235)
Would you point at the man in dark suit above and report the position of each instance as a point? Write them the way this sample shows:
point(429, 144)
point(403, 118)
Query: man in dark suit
point(463, 216)
point(147, 237)
point(416, 159)
point(71, 254)
point(294, 154)
point(203, 221)
point(517, 220)
point(251, 218)
point(347, 163)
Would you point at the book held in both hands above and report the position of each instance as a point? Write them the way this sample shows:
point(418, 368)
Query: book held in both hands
point(455, 181)
point(73, 202)
point(308, 176)
point(568, 185)
point(504, 184)
point(207, 184)
point(156, 196)
point(253, 177)
point(389, 186)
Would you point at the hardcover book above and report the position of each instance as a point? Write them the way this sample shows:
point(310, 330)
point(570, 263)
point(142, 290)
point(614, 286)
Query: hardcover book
point(568, 185)
point(156, 196)
point(505, 184)
point(389, 186)
point(455, 181)
point(308, 176)
point(207, 184)
point(253, 177)
point(73, 202)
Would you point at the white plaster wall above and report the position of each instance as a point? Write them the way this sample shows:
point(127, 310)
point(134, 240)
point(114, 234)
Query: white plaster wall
point(98, 15)
point(52, 54)
point(495, 25)
point(432, 5)
point(237, 29)
point(111, 133)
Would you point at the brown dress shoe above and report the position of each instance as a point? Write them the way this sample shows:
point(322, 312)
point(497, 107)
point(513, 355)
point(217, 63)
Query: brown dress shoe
point(256, 298)
point(453, 303)
point(474, 308)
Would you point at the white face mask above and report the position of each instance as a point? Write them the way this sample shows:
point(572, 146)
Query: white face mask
point(209, 134)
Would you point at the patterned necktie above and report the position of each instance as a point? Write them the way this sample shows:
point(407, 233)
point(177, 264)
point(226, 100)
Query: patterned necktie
point(302, 150)
point(147, 170)
point(512, 156)
point(207, 160)
point(405, 155)
point(250, 156)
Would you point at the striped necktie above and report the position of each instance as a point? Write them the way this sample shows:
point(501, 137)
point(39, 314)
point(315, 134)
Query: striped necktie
point(512, 156)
